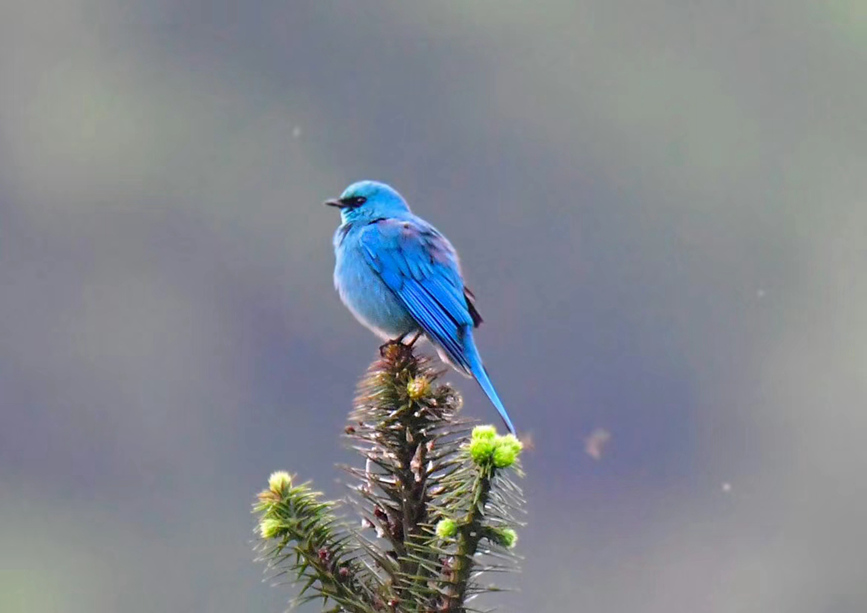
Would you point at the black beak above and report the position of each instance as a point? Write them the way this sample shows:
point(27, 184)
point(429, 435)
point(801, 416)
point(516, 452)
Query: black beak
point(350, 202)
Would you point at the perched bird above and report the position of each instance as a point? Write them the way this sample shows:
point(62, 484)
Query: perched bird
point(400, 277)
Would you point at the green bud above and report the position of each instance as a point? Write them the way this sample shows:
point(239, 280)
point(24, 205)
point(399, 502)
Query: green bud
point(418, 388)
point(279, 481)
point(506, 537)
point(269, 528)
point(446, 528)
point(482, 444)
point(506, 450)
point(484, 432)
point(481, 450)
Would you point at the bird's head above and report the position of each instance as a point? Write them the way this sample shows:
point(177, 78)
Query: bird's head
point(368, 200)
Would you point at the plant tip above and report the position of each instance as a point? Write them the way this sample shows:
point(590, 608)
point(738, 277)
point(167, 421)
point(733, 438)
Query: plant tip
point(279, 481)
point(418, 387)
point(446, 528)
point(269, 528)
point(484, 432)
point(507, 537)
point(506, 451)
point(481, 450)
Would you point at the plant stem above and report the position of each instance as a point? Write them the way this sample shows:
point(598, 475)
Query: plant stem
point(470, 533)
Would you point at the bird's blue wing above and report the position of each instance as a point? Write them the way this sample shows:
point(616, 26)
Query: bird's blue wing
point(420, 266)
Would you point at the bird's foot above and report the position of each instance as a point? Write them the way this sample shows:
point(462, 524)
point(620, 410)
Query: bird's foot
point(386, 348)
point(398, 344)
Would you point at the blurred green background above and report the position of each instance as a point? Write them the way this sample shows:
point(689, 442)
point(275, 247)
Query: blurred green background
point(660, 206)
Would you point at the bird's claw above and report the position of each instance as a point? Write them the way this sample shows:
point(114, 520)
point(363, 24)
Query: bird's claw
point(383, 349)
point(398, 344)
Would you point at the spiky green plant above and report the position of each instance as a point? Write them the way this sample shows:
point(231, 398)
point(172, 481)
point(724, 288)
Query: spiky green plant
point(436, 500)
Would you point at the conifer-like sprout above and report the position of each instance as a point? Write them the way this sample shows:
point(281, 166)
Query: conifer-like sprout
point(436, 502)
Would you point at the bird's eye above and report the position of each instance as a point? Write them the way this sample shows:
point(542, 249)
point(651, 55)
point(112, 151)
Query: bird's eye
point(352, 202)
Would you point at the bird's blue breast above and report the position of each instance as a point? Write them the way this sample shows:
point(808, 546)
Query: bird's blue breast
point(362, 290)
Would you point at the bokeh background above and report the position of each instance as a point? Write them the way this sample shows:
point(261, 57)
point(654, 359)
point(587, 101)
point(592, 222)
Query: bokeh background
point(660, 206)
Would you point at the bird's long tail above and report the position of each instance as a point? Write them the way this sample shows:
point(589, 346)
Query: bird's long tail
point(481, 375)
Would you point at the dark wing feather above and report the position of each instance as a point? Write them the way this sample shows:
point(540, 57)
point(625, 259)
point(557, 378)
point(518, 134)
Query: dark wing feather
point(471, 306)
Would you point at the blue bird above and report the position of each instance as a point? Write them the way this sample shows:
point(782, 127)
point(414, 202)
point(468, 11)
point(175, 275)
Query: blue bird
point(399, 276)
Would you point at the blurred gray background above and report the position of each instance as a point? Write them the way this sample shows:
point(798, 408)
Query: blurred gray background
point(660, 206)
